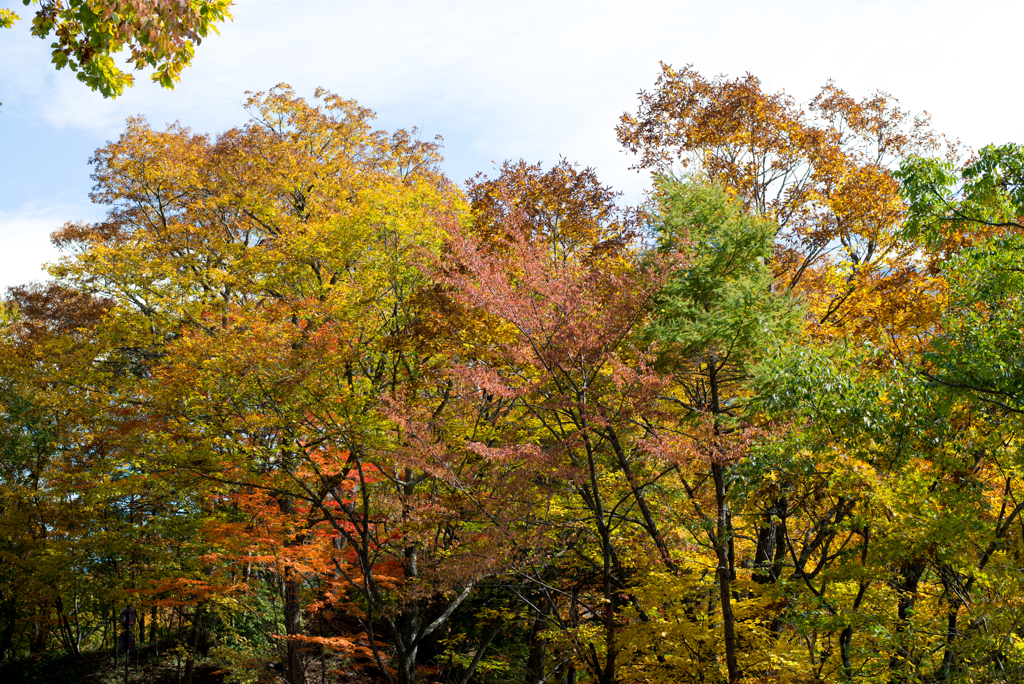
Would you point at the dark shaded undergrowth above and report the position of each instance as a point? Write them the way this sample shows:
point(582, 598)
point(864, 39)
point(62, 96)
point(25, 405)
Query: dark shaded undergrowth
point(145, 667)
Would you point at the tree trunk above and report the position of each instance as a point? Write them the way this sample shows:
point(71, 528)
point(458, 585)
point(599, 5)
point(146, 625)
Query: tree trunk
point(723, 534)
point(152, 625)
point(907, 588)
point(405, 642)
point(949, 657)
point(480, 651)
point(67, 635)
point(771, 543)
point(197, 628)
point(535, 659)
point(40, 634)
point(293, 624)
point(846, 638)
point(406, 662)
point(7, 635)
point(292, 606)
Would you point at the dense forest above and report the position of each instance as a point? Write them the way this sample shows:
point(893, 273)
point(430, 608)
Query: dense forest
point(317, 412)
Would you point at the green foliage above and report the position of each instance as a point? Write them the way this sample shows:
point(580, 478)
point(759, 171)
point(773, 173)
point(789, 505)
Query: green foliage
point(929, 479)
point(945, 201)
point(156, 34)
point(719, 299)
point(978, 349)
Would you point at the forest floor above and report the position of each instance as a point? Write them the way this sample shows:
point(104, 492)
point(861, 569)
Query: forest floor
point(146, 667)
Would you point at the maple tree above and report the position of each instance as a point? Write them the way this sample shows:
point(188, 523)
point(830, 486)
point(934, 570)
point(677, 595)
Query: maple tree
point(930, 495)
point(900, 489)
point(555, 266)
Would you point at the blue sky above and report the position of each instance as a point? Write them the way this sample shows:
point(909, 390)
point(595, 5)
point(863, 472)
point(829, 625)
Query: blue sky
point(500, 80)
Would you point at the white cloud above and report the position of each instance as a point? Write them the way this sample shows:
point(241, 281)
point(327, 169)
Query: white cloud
point(25, 242)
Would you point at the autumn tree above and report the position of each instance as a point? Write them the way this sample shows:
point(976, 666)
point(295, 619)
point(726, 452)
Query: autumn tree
point(298, 389)
point(711, 322)
point(822, 172)
point(919, 489)
point(900, 489)
point(272, 285)
point(565, 207)
point(83, 525)
point(555, 267)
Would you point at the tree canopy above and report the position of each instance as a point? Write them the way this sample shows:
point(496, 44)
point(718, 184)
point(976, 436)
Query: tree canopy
point(313, 410)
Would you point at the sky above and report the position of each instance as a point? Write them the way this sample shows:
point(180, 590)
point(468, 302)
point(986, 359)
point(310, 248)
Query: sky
point(499, 80)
